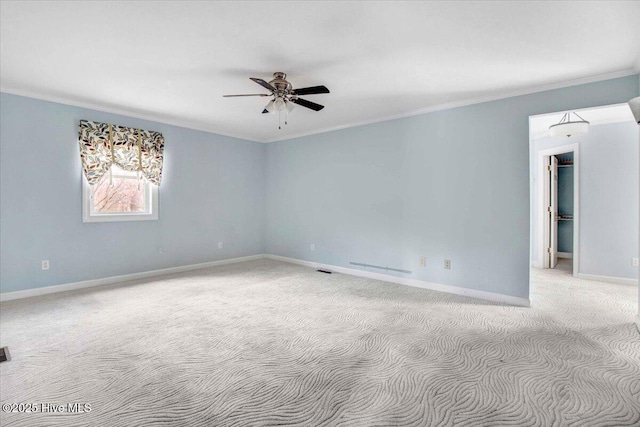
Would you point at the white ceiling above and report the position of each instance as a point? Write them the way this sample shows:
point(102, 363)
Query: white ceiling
point(173, 61)
point(539, 125)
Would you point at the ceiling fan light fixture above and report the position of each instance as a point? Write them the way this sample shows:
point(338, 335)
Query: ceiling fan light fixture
point(290, 106)
point(279, 104)
point(270, 107)
point(567, 128)
point(285, 97)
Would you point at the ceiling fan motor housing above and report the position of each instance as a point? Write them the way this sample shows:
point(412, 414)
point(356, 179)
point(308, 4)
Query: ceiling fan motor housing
point(280, 83)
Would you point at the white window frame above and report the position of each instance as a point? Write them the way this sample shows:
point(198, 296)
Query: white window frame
point(89, 215)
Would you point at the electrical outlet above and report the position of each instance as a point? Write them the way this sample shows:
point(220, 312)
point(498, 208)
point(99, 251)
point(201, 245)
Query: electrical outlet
point(447, 264)
point(423, 261)
point(219, 245)
point(634, 262)
point(45, 264)
point(312, 247)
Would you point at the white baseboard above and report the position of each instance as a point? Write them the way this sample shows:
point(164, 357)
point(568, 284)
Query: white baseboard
point(8, 296)
point(568, 255)
point(608, 279)
point(488, 296)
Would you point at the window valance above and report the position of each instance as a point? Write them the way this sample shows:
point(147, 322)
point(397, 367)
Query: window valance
point(104, 144)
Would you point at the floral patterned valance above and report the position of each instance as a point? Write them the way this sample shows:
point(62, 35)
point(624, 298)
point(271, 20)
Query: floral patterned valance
point(103, 144)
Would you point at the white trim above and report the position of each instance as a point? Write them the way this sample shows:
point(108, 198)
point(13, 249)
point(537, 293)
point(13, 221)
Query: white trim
point(210, 129)
point(575, 147)
point(470, 101)
point(581, 110)
point(545, 179)
point(472, 293)
point(488, 296)
point(567, 255)
point(608, 279)
point(152, 117)
point(536, 264)
point(8, 296)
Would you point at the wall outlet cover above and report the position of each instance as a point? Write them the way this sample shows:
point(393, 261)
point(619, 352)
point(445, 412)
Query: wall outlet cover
point(447, 264)
point(423, 261)
point(45, 264)
point(312, 247)
point(634, 262)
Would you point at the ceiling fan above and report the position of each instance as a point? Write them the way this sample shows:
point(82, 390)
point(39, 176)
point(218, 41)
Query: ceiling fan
point(284, 96)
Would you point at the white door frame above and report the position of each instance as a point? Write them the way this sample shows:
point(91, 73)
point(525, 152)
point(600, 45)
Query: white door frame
point(550, 235)
point(576, 200)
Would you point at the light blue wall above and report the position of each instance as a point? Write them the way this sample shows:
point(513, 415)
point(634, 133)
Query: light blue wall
point(212, 190)
point(450, 184)
point(609, 204)
point(609, 185)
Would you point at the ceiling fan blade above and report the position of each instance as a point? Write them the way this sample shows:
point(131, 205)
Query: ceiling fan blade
point(310, 90)
point(308, 104)
point(263, 84)
point(253, 94)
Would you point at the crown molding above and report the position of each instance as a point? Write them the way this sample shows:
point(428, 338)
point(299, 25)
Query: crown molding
point(120, 111)
point(472, 101)
point(195, 126)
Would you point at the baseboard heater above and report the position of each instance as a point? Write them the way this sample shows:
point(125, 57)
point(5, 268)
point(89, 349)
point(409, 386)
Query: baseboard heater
point(380, 267)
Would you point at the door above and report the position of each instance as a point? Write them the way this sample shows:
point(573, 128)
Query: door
point(552, 211)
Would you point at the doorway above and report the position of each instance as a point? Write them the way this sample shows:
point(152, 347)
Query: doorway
point(559, 208)
point(557, 204)
point(603, 226)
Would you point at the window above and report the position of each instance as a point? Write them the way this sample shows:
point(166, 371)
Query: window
point(119, 196)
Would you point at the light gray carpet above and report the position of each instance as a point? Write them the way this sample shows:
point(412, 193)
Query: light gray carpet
point(269, 343)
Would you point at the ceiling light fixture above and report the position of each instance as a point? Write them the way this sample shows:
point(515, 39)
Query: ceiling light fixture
point(279, 104)
point(290, 106)
point(568, 128)
point(269, 108)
